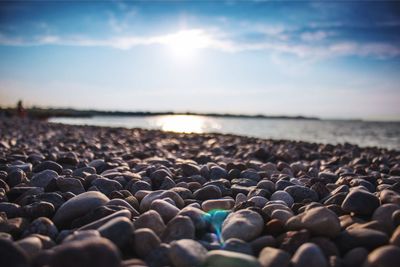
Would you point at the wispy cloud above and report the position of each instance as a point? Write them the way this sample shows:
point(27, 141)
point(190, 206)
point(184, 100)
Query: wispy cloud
point(314, 36)
point(213, 39)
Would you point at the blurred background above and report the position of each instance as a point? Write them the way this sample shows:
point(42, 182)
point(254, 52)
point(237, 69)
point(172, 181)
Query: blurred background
point(320, 71)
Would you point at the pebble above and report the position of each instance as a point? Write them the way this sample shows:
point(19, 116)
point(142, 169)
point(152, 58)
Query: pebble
point(212, 204)
point(39, 209)
point(11, 255)
point(16, 177)
point(261, 242)
point(14, 226)
point(389, 196)
point(383, 215)
point(301, 193)
point(68, 158)
point(118, 230)
point(165, 209)
point(145, 241)
point(273, 257)
point(258, 201)
point(150, 219)
point(43, 178)
point(290, 241)
point(360, 202)
point(48, 165)
point(228, 258)
point(395, 239)
point(281, 215)
point(98, 223)
point(217, 172)
point(43, 226)
point(78, 235)
point(187, 252)
point(78, 206)
point(194, 200)
point(189, 169)
point(31, 245)
point(317, 221)
point(98, 252)
point(11, 210)
point(385, 256)
point(242, 224)
point(238, 245)
point(358, 237)
point(160, 194)
point(180, 227)
point(197, 216)
point(106, 186)
point(208, 192)
point(70, 185)
point(327, 246)
point(283, 196)
point(309, 255)
point(159, 257)
point(355, 257)
point(124, 204)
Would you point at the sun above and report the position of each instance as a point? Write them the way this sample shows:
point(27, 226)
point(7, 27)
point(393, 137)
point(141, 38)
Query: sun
point(185, 44)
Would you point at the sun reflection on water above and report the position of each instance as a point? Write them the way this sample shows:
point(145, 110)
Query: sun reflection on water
point(184, 123)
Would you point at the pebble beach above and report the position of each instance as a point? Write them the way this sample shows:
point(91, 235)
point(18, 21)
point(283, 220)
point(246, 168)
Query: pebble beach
point(114, 197)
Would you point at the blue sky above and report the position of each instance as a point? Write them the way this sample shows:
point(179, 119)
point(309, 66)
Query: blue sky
point(327, 59)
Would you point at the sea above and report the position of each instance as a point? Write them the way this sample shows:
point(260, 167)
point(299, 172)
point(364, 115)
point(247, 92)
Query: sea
point(363, 133)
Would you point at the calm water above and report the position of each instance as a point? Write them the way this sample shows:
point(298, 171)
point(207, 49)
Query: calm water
point(382, 134)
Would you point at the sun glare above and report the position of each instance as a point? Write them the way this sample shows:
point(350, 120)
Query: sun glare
point(181, 123)
point(185, 44)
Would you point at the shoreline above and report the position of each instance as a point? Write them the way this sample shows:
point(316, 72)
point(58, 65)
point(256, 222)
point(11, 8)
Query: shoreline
point(233, 134)
point(137, 197)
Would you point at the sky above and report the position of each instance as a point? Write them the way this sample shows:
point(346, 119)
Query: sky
point(330, 59)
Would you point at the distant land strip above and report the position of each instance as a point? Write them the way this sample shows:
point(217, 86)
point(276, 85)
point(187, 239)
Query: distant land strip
point(45, 113)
